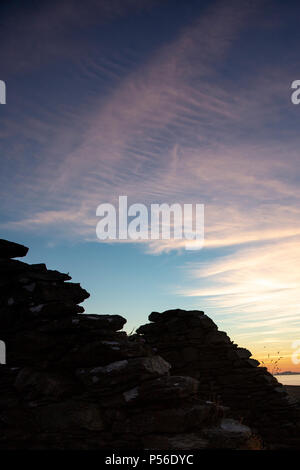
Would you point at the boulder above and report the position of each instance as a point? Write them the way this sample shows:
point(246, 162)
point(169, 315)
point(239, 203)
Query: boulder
point(194, 346)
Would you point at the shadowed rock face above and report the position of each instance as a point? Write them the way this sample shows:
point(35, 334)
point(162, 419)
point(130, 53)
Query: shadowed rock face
point(74, 381)
point(191, 342)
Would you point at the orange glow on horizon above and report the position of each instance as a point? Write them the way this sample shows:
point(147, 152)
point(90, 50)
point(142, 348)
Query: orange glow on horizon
point(277, 363)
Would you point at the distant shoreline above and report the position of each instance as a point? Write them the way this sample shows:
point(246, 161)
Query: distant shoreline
point(286, 373)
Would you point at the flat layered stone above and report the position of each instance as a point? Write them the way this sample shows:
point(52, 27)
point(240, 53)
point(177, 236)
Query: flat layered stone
point(12, 250)
point(108, 322)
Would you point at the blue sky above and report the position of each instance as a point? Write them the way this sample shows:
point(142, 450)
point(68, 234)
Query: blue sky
point(163, 101)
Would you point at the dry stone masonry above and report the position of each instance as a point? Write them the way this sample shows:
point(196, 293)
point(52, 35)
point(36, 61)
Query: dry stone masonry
point(75, 381)
point(191, 342)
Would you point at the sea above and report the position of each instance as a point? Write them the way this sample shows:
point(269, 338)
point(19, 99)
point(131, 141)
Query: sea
point(289, 379)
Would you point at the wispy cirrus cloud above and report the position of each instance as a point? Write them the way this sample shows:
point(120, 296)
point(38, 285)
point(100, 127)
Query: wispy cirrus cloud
point(136, 129)
point(184, 123)
point(256, 288)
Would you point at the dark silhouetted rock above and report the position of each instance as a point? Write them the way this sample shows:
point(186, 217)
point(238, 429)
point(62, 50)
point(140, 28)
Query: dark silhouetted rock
point(193, 345)
point(75, 381)
point(12, 250)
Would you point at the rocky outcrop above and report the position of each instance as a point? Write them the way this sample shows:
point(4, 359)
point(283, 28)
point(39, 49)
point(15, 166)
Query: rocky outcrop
point(191, 342)
point(74, 381)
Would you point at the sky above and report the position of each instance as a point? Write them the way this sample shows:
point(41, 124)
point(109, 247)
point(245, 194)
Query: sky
point(166, 102)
